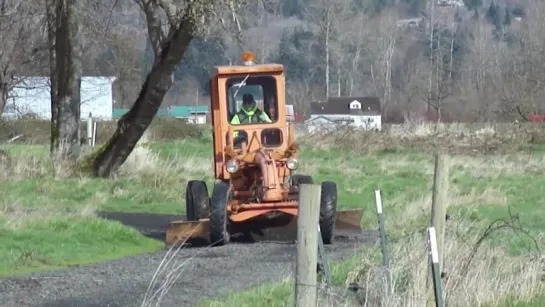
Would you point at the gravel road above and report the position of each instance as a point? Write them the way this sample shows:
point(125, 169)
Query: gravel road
point(211, 272)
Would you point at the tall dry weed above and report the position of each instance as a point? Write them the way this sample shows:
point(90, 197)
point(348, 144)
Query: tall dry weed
point(478, 272)
point(453, 138)
point(485, 276)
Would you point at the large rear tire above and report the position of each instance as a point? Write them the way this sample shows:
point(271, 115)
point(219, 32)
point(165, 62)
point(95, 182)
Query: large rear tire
point(197, 203)
point(328, 210)
point(218, 213)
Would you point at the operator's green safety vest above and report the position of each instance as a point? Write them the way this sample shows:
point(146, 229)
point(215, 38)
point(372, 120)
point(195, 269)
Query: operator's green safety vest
point(251, 116)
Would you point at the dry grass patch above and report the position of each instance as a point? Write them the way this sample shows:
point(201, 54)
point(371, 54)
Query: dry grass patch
point(453, 138)
point(482, 277)
point(17, 217)
point(399, 213)
point(494, 166)
point(405, 162)
point(479, 272)
point(141, 161)
point(24, 167)
point(341, 166)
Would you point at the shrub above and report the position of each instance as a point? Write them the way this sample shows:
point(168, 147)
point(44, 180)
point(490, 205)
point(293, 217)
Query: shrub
point(37, 131)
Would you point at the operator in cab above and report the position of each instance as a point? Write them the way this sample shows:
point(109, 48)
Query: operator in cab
point(249, 112)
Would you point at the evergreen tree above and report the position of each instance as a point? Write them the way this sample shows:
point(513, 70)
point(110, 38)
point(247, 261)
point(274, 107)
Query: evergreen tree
point(491, 13)
point(473, 4)
point(199, 59)
point(507, 20)
point(294, 53)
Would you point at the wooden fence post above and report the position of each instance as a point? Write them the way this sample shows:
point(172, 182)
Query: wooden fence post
point(306, 283)
point(383, 242)
point(439, 211)
point(439, 201)
point(90, 130)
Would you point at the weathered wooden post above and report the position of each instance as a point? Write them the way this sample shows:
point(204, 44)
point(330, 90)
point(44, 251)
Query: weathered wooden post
point(306, 283)
point(438, 215)
point(90, 129)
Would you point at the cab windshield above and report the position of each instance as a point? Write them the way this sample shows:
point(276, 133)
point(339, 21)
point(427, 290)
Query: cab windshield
point(252, 100)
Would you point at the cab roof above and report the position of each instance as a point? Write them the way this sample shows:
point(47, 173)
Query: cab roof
point(245, 69)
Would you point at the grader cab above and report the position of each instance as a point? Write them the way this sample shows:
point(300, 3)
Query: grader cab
point(255, 159)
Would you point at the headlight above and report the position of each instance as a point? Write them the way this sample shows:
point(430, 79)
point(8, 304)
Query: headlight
point(292, 163)
point(231, 166)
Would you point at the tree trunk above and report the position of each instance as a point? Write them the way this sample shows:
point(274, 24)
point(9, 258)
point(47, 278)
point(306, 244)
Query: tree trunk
point(133, 124)
point(69, 70)
point(327, 61)
point(432, 30)
point(6, 84)
point(51, 33)
point(3, 96)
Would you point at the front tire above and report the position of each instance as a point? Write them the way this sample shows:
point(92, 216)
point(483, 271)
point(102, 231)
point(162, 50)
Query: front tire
point(196, 200)
point(328, 210)
point(218, 213)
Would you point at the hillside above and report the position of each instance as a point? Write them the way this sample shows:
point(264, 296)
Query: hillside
point(484, 62)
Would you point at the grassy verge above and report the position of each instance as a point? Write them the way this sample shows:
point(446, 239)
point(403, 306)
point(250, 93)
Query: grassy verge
point(278, 294)
point(29, 246)
point(493, 237)
point(484, 188)
point(40, 206)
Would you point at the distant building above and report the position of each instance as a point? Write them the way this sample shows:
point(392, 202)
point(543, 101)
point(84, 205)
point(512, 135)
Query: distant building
point(190, 114)
point(32, 96)
point(450, 3)
point(360, 112)
point(410, 22)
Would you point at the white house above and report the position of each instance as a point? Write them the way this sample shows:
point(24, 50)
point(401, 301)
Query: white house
point(32, 97)
point(359, 112)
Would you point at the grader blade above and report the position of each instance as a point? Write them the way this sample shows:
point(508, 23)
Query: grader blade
point(280, 228)
point(284, 227)
point(348, 221)
point(194, 233)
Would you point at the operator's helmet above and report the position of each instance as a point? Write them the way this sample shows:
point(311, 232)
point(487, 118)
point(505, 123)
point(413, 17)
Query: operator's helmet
point(248, 102)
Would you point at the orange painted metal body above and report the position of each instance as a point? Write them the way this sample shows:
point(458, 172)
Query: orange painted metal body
point(260, 193)
point(258, 164)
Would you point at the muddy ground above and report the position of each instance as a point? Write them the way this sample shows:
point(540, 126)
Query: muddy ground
point(211, 272)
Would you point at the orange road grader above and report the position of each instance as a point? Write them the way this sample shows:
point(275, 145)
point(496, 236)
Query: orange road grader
point(255, 159)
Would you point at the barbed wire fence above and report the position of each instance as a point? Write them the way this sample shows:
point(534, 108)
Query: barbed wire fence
point(387, 284)
point(375, 285)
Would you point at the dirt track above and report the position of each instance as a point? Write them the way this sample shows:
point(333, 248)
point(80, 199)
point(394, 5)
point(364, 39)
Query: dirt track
point(211, 273)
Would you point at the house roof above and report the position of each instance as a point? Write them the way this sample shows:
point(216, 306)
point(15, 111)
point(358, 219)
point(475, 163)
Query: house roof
point(331, 120)
point(173, 111)
point(341, 106)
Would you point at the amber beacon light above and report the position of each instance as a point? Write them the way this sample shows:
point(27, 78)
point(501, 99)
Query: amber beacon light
point(248, 58)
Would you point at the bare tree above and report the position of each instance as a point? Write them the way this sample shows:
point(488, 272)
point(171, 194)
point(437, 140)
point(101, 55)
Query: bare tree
point(171, 27)
point(382, 36)
point(478, 73)
point(19, 32)
point(320, 15)
point(51, 35)
point(66, 76)
point(522, 85)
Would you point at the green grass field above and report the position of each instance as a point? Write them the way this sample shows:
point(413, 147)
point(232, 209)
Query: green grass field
point(38, 210)
point(501, 188)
